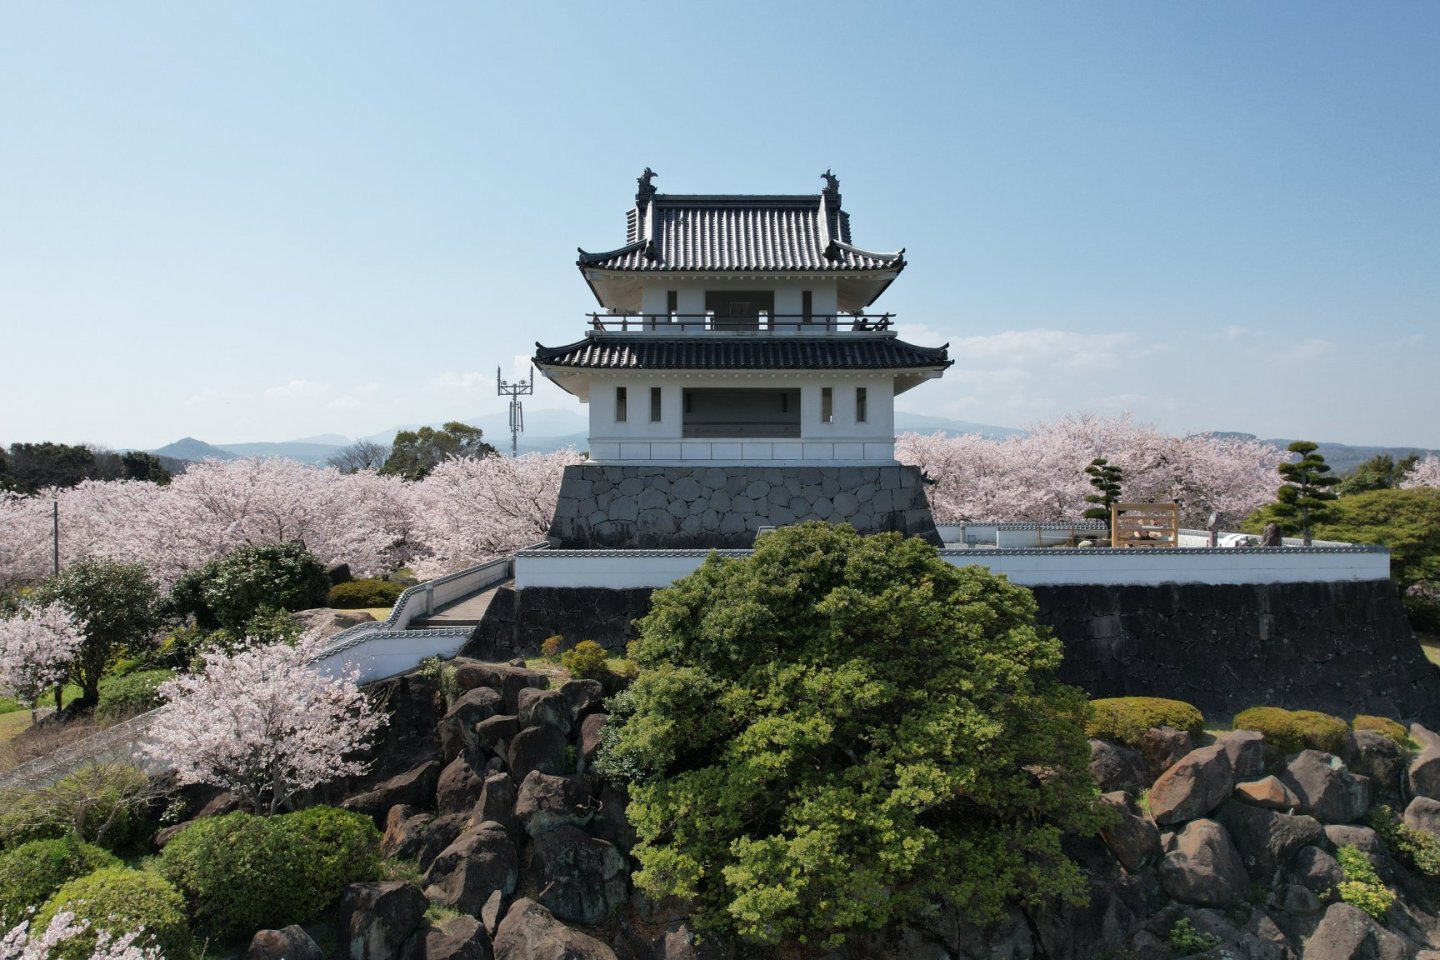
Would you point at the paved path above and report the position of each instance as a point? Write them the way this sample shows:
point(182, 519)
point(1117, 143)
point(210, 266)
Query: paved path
point(465, 612)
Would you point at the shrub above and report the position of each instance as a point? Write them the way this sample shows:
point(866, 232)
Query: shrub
point(586, 659)
point(356, 594)
point(1290, 731)
point(23, 819)
point(120, 900)
point(1416, 848)
point(242, 873)
point(1362, 886)
point(32, 872)
point(1125, 719)
point(550, 647)
point(1392, 729)
point(230, 591)
point(103, 803)
point(1184, 939)
point(132, 694)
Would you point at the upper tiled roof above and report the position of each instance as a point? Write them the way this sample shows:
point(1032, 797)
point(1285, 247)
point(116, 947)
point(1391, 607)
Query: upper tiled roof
point(705, 232)
point(846, 352)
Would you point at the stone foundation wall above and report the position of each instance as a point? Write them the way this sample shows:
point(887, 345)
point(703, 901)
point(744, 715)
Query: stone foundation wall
point(649, 507)
point(1345, 648)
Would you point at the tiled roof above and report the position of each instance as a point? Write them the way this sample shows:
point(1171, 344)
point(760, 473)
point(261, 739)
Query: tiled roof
point(673, 232)
point(701, 352)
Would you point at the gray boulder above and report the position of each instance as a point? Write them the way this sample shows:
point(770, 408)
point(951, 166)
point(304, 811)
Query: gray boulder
point(415, 787)
point(1267, 839)
point(457, 727)
point(1246, 750)
point(1193, 786)
point(610, 821)
point(480, 861)
point(544, 708)
point(584, 696)
point(589, 744)
point(581, 878)
point(1348, 933)
point(537, 748)
point(547, 802)
point(1117, 767)
point(497, 803)
point(1202, 867)
point(506, 679)
point(495, 733)
point(404, 832)
point(1268, 792)
point(289, 943)
point(1133, 838)
point(1327, 790)
point(531, 932)
point(1318, 871)
point(376, 919)
point(455, 938)
point(1354, 835)
point(440, 833)
point(1424, 771)
point(1424, 814)
point(1164, 746)
point(1377, 756)
point(458, 788)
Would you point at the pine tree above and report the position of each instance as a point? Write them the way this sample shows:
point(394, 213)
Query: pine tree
point(1303, 500)
point(1106, 478)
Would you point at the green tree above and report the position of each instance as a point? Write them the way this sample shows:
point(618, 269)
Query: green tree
point(416, 452)
point(234, 590)
point(34, 466)
point(1305, 498)
point(1106, 478)
point(118, 603)
point(1380, 472)
point(836, 732)
point(139, 465)
point(1406, 521)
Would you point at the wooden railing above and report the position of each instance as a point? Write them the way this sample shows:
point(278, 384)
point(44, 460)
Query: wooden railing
point(754, 323)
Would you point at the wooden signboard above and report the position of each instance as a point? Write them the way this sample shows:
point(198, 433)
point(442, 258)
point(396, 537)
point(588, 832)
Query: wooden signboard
point(1144, 525)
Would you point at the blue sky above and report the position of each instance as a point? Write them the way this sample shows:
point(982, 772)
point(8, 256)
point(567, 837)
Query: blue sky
point(264, 221)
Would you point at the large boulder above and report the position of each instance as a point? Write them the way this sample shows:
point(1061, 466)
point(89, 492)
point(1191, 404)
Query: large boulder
point(1424, 814)
point(544, 708)
point(1202, 867)
point(404, 832)
point(1354, 835)
point(1268, 792)
point(289, 943)
point(1379, 757)
point(530, 932)
point(547, 802)
point(497, 802)
point(1246, 750)
point(459, 786)
point(480, 861)
point(1424, 771)
point(1327, 790)
point(1317, 870)
point(1348, 933)
point(495, 733)
point(1164, 746)
point(589, 744)
point(457, 727)
point(584, 696)
point(327, 621)
point(377, 918)
point(455, 938)
point(1267, 839)
point(537, 748)
point(611, 822)
point(1193, 786)
point(581, 878)
point(1117, 767)
point(1133, 838)
point(504, 678)
point(415, 788)
point(439, 834)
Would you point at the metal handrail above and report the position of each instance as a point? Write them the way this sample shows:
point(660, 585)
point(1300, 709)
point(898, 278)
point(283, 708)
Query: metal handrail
point(750, 323)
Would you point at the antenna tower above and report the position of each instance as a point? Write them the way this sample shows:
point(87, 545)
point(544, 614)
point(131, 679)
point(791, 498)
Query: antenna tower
point(516, 390)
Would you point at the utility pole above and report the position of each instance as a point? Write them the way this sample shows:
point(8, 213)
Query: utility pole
point(55, 528)
point(516, 390)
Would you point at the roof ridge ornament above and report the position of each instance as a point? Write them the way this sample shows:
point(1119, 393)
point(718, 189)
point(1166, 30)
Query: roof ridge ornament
point(645, 189)
point(832, 182)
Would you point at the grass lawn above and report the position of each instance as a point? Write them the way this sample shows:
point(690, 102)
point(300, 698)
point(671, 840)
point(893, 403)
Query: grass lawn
point(7, 705)
point(13, 723)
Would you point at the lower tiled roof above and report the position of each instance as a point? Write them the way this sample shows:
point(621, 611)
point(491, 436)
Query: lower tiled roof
point(847, 352)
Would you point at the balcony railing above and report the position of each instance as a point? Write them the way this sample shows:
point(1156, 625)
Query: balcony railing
point(724, 323)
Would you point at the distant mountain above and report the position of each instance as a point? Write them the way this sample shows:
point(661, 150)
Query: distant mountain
point(1343, 457)
point(295, 450)
point(326, 439)
point(540, 425)
point(925, 423)
point(188, 448)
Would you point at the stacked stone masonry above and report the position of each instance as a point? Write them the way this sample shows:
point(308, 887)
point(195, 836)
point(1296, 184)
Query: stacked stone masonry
point(650, 507)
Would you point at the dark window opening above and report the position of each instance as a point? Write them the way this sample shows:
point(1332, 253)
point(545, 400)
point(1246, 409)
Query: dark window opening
point(654, 404)
point(739, 309)
point(827, 405)
point(741, 413)
point(860, 405)
point(620, 405)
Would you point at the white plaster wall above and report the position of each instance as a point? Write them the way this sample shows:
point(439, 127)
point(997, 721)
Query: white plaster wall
point(618, 570)
point(691, 294)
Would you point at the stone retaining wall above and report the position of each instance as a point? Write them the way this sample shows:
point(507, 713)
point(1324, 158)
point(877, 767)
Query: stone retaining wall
point(1344, 648)
point(649, 507)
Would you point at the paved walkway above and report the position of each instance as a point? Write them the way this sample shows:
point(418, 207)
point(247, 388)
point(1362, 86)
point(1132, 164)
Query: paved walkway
point(465, 612)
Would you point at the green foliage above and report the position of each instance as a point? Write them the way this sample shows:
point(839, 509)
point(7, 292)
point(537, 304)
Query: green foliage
point(23, 819)
point(1395, 731)
point(132, 693)
point(1106, 478)
point(1406, 521)
point(32, 872)
point(231, 591)
point(139, 465)
point(1362, 886)
point(1125, 719)
point(1418, 849)
point(102, 802)
point(837, 731)
point(118, 603)
point(120, 900)
point(358, 594)
point(416, 452)
point(34, 466)
point(586, 659)
point(1305, 498)
point(551, 647)
point(1290, 731)
point(1184, 939)
point(242, 872)
point(442, 675)
point(1380, 472)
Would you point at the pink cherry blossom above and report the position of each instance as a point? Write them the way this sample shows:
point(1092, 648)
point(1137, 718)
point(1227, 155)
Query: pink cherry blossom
point(21, 944)
point(36, 647)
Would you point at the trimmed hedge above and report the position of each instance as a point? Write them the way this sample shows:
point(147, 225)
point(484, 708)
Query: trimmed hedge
point(120, 900)
point(32, 872)
point(1125, 719)
point(1394, 730)
point(586, 660)
point(358, 594)
point(1290, 731)
point(242, 873)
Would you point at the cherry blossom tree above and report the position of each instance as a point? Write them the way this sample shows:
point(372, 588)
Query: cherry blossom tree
point(20, 943)
point(263, 724)
point(1426, 473)
point(36, 647)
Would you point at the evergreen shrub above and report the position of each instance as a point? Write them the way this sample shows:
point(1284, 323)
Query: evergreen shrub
point(32, 872)
point(1125, 719)
point(1362, 886)
point(243, 873)
point(1391, 728)
point(1290, 731)
point(358, 594)
point(586, 660)
point(120, 900)
point(132, 694)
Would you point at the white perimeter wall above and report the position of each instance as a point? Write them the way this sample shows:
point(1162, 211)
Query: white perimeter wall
point(624, 569)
